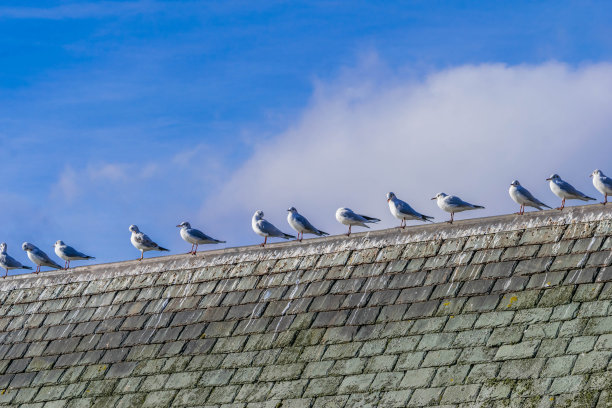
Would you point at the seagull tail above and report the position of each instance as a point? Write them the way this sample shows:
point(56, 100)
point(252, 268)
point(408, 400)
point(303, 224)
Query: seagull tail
point(371, 219)
point(477, 206)
point(90, 257)
point(587, 198)
point(321, 233)
point(288, 236)
point(162, 249)
point(427, 218)
point(26, 267)
point(219, 242)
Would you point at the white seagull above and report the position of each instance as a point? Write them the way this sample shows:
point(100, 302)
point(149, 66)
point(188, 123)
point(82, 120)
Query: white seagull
point(402, 211)
point(195, 237)
point(68, 253)
point(602, 183)
point(7, 262)
point(565, 190)
point(39, 257)
point(523, 197)
point(266, 229)
point(453, 204)
point(299, 223)
point(346, 216)
point(142, 242)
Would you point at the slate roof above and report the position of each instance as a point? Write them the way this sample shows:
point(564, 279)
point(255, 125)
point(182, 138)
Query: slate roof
point(500, 311)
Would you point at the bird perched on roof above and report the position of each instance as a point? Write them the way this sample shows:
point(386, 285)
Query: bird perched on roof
point(523, 197)
point(565, 190)
point(602, 183)
point(453, 204)
point(266, 229)
point(299, 223)
point(7, 262)
point(39, 257)
point(68, 253)
point(402, 211)
point(348, 217)
point(142, 242)
point(195, 237)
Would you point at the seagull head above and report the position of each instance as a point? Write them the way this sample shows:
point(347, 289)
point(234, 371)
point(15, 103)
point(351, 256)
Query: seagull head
point(515, 183)
point(3, 247)
point(258, 214)
point(292, 210)
point(59, 243)
point(26, 246)
point(439, 195)
point(390, 196)
point(184, 224)
point(596, 173)
point(134, 228)
point(554, 177)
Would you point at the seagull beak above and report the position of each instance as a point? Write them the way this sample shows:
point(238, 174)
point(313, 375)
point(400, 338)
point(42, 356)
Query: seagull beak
point(178, 225)
point(548, 179)
point(591, 175)
point(434, 198)
point(388, 199)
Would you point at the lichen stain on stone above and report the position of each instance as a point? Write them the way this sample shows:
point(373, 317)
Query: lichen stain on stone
point(512, 300)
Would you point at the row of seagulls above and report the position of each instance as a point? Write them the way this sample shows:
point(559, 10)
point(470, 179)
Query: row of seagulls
point(399, 209)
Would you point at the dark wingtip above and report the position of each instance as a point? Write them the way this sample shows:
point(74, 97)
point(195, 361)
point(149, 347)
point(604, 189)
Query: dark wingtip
point(322, 233)
point(221, 242)
point(27, 267)
point(163, 249)
point(478, 206)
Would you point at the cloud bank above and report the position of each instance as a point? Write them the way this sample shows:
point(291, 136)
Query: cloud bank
point(467, 130)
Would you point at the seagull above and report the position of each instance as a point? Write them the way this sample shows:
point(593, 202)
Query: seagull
point(195, 237)
point(565, 190)
point(346, 216)
point(266, 229)
point(142, 242)
point(523, 197)
point(602, 183)
point(299, 223)
point(8, 262)
point(39, 257)
point(402, 211)
point(68, 253)
point(453, 204)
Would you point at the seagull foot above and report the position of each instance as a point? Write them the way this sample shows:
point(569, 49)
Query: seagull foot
point(559, 208)
point(450, 222)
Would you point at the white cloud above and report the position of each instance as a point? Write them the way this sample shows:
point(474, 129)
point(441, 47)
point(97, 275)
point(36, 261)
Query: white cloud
point(468, 131)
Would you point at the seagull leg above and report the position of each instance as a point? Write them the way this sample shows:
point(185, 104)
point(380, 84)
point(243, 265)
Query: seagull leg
point(37, 269)
point(6, 274)
point(452, 217)
point(349, 231)
point(195, 251)
point(605, 199)
point(264, 243)
point(562, 205)
point(141, 255)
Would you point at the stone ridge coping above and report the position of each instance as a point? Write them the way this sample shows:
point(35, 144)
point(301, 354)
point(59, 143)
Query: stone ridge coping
point(315, 246)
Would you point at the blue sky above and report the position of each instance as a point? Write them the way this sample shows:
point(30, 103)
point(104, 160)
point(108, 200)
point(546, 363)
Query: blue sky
point(151, 113)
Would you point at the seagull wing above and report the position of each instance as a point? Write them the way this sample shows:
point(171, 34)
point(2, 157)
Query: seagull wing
point(267, 228)
point(144, 240)
point(404, 208)
point(572, 190)
point(200, 235)
point(530, 196)
point(73, 253)
point(456, 201)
